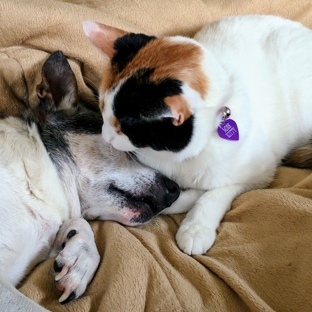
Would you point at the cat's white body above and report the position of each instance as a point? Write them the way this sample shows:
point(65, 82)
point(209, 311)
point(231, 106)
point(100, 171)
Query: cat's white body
point(267, 77)
point(261, 68)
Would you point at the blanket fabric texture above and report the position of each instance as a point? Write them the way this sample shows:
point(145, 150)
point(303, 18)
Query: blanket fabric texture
point(261, 260)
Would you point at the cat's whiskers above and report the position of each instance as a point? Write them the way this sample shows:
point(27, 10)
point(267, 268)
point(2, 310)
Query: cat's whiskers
point(132, 156)
point(140, 153)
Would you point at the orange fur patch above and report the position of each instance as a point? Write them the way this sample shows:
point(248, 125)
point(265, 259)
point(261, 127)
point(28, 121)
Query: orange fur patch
point(179, 107)
point(101, 106)
point(113, 121)
point(103, 37)
point(177, 60)
point(106, 82)
point(107, 77)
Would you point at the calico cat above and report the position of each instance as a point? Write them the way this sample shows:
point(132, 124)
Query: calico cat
point(216, 113)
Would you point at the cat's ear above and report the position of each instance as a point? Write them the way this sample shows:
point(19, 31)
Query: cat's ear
point(103, 36)
point(179, 108)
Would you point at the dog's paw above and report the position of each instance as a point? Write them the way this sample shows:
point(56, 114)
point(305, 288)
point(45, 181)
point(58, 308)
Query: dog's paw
point(195, 238)
point(78, 260)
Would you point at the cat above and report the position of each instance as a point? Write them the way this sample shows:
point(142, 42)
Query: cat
point(216, 113)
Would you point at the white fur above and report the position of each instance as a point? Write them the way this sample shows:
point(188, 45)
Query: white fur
point(44, 200)
point(261, 68)
point(109, 133)
point(33, 206)
point(40, 191)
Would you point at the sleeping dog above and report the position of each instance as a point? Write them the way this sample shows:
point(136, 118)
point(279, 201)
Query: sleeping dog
point(55, 172)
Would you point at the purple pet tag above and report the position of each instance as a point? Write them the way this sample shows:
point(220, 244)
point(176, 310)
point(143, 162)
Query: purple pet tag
point(228, 130)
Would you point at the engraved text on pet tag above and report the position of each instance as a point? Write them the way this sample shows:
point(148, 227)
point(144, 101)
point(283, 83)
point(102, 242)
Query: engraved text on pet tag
point(228, 129)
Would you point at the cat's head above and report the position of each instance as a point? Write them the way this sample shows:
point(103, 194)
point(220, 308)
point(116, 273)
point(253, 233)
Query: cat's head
point(150, 90)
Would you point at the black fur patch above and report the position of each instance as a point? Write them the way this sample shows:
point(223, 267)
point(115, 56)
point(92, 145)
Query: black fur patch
point(56, 119)
point(54, 128)
point(126, 48)
point(160, 134)
point(79, 120)
point(138, 106)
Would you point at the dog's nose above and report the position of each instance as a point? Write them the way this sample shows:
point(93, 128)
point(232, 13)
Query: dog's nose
point(173, 191)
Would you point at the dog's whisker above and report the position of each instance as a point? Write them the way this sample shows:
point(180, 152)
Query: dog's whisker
point(95, 87)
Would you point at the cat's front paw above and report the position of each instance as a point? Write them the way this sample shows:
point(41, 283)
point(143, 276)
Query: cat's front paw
point(78, 260)
point(195, 238)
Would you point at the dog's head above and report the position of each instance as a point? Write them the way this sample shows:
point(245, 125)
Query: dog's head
point(111, 185)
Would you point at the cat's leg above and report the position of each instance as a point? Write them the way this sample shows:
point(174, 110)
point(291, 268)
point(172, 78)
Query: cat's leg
point(198, 230)
point(185, 202)
point(77, 260)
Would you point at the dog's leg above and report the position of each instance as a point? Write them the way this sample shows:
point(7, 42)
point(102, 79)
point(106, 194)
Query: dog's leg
point(11, 300)
point(77, 260)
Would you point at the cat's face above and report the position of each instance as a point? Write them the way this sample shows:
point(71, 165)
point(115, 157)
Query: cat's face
point(150, 89)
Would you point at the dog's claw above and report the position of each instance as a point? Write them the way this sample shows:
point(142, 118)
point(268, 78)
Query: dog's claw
point(76, 264)
point(71, 233)
point(61, 274)
point(65, 298)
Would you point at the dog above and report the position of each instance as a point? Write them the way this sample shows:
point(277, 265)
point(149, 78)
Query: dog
point(56, 171)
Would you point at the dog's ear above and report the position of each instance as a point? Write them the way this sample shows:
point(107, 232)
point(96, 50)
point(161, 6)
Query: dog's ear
point(103, 36)
point(58, 88)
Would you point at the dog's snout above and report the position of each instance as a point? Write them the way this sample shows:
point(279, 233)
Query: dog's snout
point(172, 189)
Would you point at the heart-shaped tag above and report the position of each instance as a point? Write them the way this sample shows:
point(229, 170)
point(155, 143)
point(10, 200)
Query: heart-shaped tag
point(228, 130)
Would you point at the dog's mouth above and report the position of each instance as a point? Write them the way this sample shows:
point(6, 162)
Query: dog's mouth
point(136, 209)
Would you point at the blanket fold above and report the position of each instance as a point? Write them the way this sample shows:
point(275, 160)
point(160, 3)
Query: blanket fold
point(261, 260)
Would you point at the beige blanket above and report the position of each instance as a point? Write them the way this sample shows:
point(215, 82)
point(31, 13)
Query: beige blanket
point(262, 257)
